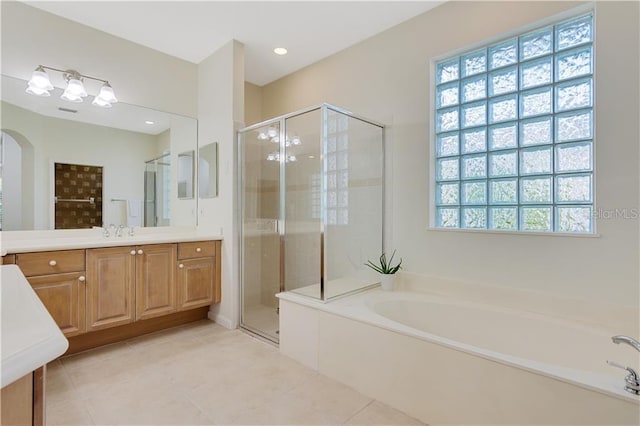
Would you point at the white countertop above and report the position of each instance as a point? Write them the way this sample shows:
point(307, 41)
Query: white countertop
point(30, 337)
point(47, 240)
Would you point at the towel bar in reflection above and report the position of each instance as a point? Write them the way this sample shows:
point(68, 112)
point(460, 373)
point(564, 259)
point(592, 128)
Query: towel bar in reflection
point(89, 200)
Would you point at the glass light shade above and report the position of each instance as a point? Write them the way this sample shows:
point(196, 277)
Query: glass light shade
point(272, 132)
point(296, 140)
point(262, 136)
point(33, 90)
point(275, 139)
point(40, 80)
point(274, 156)
point(98, 101)
point(107, 95)
point(70, 97)
point(75, 88)
point(292, 158)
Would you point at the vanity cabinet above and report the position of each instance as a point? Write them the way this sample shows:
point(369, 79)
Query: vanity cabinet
point(58, 278)
point(155, 280)
point(110, 287)
point(127, 284)
point(198, 277)
point(102, 295)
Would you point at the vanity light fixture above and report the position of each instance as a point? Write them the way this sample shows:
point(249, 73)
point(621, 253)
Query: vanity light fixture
point(40, 85)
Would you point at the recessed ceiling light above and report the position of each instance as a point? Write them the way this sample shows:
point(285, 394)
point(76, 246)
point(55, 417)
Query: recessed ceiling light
point(280, 51)
point(149, 122)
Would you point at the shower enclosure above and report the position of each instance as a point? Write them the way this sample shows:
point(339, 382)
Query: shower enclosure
point(311, 209)
point(157, 191)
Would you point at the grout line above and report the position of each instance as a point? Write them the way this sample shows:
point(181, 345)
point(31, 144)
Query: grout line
point(359, 411)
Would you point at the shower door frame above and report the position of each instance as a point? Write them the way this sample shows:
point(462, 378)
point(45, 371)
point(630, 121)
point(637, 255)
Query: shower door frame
point(281, 222)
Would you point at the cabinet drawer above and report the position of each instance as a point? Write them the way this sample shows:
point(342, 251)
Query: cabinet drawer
point(50, 262)
point(196, 249)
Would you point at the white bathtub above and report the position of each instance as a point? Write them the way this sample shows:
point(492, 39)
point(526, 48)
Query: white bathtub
point(447, 361)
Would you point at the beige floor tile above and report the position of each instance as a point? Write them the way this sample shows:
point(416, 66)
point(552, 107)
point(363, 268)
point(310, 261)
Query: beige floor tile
point(201, 373)
point(58, 385)
point(378, 413)
point(94, 356)
point(68, 413)
point(318, 400)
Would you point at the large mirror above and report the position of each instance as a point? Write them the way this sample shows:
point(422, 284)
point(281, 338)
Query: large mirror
point(74, 165)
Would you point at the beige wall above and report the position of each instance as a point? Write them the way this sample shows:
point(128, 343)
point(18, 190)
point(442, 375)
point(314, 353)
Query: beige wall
point(252, 104)
point(139, 75)
point(388, 78)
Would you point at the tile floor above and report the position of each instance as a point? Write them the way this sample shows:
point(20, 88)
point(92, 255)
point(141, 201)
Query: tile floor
point(201, 373)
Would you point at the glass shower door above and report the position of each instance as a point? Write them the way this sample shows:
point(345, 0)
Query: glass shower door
point(260, 246)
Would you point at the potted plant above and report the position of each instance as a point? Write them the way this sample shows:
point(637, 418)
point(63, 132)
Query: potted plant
point(386, 269)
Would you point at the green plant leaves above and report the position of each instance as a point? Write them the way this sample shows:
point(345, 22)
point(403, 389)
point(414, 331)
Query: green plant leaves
point(385, 266)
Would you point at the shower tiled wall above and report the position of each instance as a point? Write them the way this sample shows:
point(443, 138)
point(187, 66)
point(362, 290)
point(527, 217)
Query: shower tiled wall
point(78, 182)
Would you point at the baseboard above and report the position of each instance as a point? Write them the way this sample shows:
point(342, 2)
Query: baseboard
point(222, 320)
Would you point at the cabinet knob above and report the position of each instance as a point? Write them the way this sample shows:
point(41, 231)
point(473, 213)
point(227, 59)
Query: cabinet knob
point(198, 250)
point(140, 252)
point(181, 265)
point(133, 252)
point(81, 278)
point(52, 263)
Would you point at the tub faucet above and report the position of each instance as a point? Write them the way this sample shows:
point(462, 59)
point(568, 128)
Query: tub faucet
point(632, 380)
point(628, 340)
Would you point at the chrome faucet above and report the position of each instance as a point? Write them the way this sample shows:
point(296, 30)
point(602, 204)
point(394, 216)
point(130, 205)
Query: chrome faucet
point(131, 234)
point(632, 380)
point(119, 232)
point(628, 340)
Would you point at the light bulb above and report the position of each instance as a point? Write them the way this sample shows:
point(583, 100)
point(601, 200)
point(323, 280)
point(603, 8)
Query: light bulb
point(76, 88)
point(107, 94)
point(40, 80)
point(33, 90)
point(98, 101)
point(70, 97)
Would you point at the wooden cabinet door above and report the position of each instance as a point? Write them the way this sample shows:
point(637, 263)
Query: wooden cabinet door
point(155, 280)
point(110, 287)
point(64, 297)
point(196, 278)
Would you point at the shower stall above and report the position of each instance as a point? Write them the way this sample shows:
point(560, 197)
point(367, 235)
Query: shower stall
point(310, 209)
point(157, 191)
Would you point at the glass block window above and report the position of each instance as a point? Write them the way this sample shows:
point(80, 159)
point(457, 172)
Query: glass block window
point(514, 133)
point(337, 164)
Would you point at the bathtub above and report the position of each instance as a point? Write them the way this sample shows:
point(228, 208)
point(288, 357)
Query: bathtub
point(446, 360)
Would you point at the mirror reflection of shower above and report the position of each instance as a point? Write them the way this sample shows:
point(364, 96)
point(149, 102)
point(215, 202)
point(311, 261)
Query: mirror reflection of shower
point(157, 191)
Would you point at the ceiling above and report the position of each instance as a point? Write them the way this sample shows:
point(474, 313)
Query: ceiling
point(193, 30)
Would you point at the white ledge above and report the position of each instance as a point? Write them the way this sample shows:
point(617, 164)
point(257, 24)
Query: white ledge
point(30, 337)
point(48, 240)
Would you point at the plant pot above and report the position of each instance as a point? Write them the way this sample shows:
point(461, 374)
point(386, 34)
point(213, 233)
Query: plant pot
point(386, 281)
